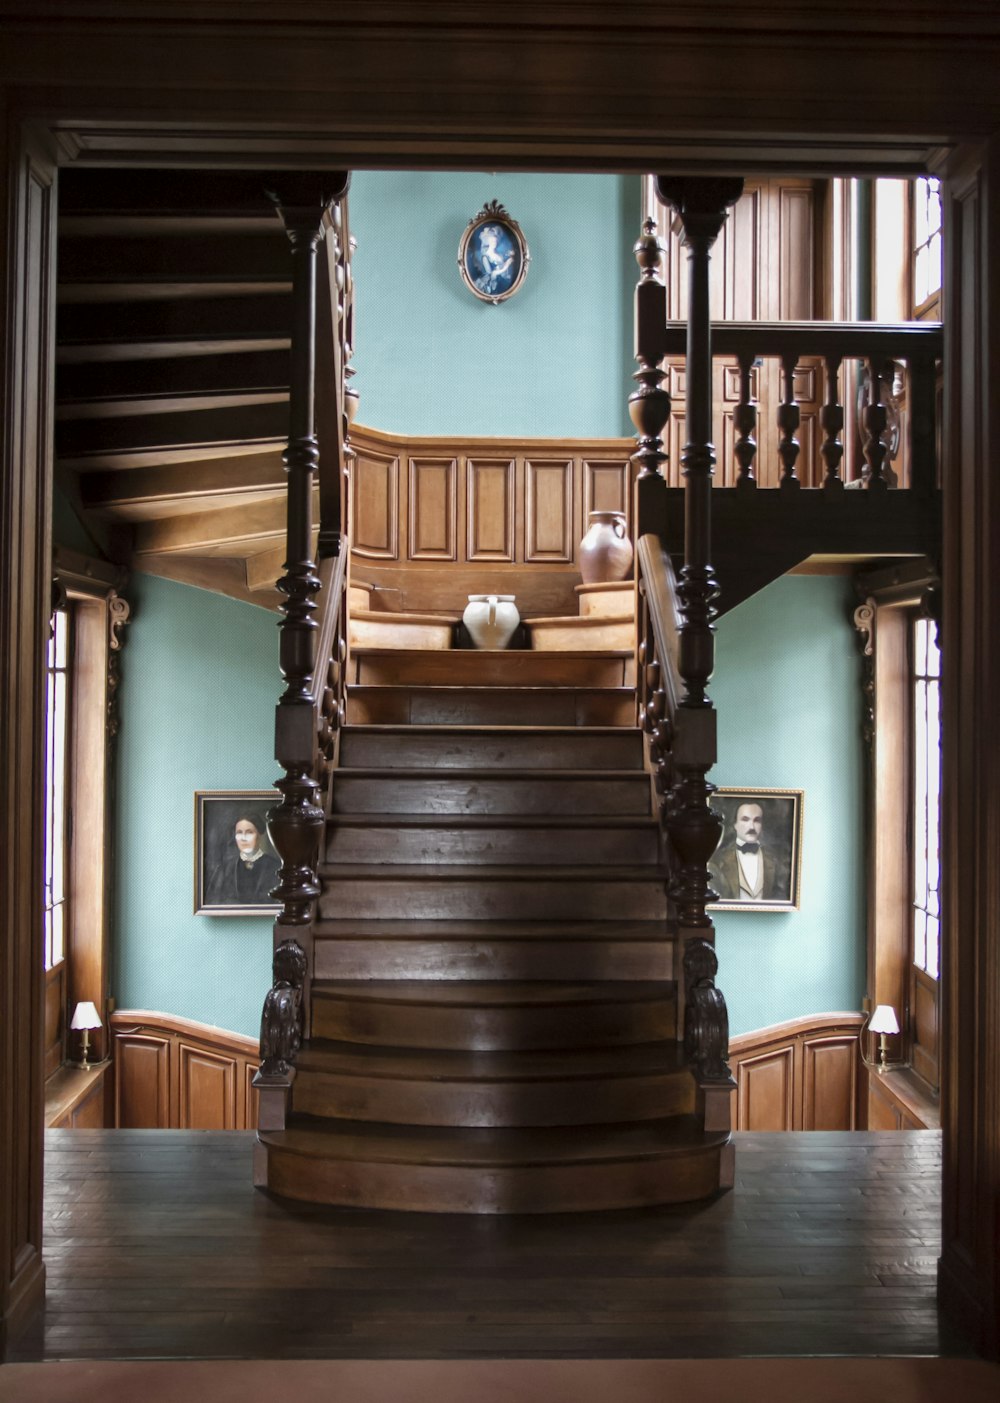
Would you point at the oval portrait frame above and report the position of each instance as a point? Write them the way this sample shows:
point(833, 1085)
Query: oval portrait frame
point(502, 271)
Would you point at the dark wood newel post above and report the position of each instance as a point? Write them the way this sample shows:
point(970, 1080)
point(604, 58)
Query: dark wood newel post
point(296, 824)
point(702, 206)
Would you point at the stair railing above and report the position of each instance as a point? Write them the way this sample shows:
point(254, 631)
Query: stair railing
point(309, 711)
point(886, 360)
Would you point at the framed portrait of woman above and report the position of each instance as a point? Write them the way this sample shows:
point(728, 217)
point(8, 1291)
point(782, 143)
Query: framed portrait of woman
point(493, 255)
point(235, 866)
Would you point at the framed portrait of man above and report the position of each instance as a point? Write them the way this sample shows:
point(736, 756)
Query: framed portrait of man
point(757, 865)
point(235, 866)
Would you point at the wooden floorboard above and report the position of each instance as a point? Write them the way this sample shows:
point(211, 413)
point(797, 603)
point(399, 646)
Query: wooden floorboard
point(158, 1247)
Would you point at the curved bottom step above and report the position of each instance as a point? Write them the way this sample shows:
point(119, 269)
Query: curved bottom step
point(420, 1170)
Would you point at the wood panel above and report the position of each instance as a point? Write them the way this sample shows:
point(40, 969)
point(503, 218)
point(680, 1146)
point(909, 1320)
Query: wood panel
point(375, 505)
point(433, 509)
point(207, 1088)
point(142, 1080)
point(548, 514)
point(766, 1091)
point(830, 1082)
point(490, 509)
point(800, 1075)
point(606, 488)
point(55, 1018)
point(174, 1073)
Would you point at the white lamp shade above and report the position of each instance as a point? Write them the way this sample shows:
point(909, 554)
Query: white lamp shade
point(85, 1015)
point(884, 1020)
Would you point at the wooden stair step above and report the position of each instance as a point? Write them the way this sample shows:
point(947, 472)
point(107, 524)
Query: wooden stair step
point(483, 1015)
point(449, 891)
point(524, 792)
point(442, 1087)
point(378, 628)
point(102, 439)
point(463, 1170)
point(174, 326)
point(569, 633)
point(499, 839)
point(578, 951)
point(471, 706)
point(171, 256)
point(491, 747)
point(510, 668)
point(132, 380)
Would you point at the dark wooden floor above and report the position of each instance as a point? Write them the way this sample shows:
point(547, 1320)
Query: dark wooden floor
point(158, 1247)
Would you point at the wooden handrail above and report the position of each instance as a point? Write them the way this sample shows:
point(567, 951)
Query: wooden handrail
point(859, 340)
point(658, 585)
point(332, 572)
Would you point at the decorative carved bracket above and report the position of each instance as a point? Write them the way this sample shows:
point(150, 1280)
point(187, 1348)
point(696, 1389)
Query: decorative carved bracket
point(281, 1020)
point(706, 1020)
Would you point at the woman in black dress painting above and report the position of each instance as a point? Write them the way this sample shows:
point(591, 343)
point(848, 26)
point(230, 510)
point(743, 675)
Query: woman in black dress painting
point(246, 874)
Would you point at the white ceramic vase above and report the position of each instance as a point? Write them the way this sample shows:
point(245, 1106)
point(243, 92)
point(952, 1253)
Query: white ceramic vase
point(491, 619)
point(605, 551)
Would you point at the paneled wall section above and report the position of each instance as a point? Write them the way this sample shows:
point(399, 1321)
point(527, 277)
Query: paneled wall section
point(510, 510)
point(802, 1075)
point(175, 1074)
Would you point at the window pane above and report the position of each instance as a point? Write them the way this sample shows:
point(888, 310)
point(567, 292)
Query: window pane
point(932, 961)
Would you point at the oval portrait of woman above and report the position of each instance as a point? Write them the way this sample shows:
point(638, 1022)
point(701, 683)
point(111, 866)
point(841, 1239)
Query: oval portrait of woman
point(493, 256)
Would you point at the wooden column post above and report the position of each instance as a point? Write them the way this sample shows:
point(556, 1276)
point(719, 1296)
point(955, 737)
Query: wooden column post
point(694, 826)
point(296, 824)
point(27, 314)
point(969, 1275)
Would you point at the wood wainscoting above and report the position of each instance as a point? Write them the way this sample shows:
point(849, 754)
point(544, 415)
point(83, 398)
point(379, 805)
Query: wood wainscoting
point(174, 1074)
point(505, 513)
point(802, 1075)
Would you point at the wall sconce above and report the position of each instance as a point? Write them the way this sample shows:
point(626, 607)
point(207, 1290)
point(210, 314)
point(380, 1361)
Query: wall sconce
point(883, 1021)
point(85, 1017)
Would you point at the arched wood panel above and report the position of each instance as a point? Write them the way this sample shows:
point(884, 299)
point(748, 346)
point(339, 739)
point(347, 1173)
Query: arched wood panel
point(142, 1083)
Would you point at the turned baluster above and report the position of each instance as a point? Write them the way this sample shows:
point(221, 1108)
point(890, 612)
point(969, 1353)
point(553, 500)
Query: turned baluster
point(745, 420)
point(832, 423)
point(874, 423)
point(788, 423)
point(296, 824)
point(649, 404)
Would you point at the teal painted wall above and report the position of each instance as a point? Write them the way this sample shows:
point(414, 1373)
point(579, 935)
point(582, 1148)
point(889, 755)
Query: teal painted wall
point(199, 683)
point(554, 360)
point(787, 689)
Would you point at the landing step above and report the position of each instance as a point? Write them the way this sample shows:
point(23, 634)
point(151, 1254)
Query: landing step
point(474, 1170)
point(449, 1088)
point(484, 1015)
point(512, 706)
point(458, 667)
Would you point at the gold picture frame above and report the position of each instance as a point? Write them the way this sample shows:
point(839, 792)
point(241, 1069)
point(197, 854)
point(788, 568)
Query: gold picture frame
point(767, 874)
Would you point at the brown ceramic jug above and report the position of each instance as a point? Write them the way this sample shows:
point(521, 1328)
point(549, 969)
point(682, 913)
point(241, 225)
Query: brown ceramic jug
point(605, 551)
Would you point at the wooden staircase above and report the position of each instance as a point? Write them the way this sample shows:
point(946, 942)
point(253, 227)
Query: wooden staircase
point(494, 1015)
